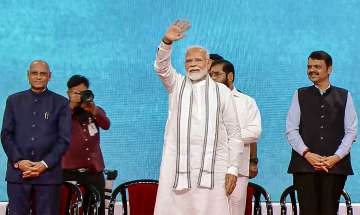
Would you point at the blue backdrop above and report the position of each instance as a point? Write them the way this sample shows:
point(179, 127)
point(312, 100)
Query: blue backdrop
point(114, 43)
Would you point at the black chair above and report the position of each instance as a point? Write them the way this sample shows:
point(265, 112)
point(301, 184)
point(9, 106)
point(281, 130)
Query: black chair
point(72, 196)
point(257, 192)
point(291, 191)
point(94, 199)
point(142, 196)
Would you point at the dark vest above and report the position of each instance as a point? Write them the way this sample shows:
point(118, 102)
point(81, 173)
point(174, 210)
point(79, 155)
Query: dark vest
point(321, 127)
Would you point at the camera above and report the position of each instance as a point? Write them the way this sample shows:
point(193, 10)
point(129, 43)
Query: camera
point(86, 96)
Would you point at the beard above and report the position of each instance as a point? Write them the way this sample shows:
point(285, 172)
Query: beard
point(196, 76)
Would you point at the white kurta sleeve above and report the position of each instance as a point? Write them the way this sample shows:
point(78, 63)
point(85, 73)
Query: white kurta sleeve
point(251, 132)
point(235, 144)
point(164, 68)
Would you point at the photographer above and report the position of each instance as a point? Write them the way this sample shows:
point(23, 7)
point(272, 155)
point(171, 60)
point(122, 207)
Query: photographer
point(83, 162)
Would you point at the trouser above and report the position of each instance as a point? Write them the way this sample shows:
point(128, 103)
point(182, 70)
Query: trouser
point(238, 196)
point(319, 193)
point(21, 197)
point(95, 179)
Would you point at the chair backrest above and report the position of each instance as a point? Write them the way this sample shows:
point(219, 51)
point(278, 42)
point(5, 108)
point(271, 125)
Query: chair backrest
point(256, 191)
point(71, 199)
point(249, 197)
point(292, 192)
point(94, 200)
point(141, 194)
point(288, 191)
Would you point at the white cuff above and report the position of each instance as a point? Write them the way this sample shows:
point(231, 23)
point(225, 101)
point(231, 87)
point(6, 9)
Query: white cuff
point(233, 170)
point(43, 162)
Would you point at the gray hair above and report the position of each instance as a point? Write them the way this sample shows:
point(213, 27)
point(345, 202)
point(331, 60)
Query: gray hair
point(199, 47)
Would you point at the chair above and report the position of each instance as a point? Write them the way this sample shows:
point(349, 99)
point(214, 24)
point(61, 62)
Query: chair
point(292, 191)
point(71, 200)
point(256, 191)
point(141, 194)
point(94, 199)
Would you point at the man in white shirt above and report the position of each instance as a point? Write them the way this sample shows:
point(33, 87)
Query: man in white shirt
point(222, 71)
point(202, 143)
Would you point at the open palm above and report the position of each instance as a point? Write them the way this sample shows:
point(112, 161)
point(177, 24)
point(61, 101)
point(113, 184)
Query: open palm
point(176, 31)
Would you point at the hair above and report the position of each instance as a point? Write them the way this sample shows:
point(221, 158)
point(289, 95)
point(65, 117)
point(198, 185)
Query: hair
point(199, 47)
point(216, 57)
point(76, 80)
point(228, 67)
point(321, 55)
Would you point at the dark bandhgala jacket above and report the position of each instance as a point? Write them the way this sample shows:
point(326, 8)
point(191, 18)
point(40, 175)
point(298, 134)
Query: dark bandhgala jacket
point(321, 127)
point(36, 127)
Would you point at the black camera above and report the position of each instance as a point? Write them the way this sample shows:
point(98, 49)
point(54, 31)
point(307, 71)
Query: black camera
point(86, 96)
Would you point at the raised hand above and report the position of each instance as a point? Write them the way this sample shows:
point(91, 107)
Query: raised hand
point(176, 31)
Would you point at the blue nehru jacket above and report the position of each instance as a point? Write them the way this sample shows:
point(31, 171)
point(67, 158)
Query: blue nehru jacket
point(36, 127)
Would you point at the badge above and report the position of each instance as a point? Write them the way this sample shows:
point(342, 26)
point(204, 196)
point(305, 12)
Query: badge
point(46, 115)
point(92, 129)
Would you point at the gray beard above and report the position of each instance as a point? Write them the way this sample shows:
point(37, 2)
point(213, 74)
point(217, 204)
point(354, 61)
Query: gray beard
point(197, 76)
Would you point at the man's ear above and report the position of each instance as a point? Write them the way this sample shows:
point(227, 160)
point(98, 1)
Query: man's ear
point(208, 64)
point(329, 70)
point(230, 77)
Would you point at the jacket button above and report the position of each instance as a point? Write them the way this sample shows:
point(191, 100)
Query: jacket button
point(322, 116)
point(321, 138)
point(32, 138)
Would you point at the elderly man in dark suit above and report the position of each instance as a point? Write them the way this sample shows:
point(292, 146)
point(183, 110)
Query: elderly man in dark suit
point(35, 134)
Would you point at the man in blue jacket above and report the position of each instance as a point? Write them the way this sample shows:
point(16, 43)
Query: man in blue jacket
point(35, 134)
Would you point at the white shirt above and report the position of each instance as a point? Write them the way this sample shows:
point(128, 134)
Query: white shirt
point(250, 122)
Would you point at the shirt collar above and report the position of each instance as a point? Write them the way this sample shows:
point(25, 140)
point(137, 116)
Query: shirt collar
point(235, 92)
point(322, 92)
point(38, 93)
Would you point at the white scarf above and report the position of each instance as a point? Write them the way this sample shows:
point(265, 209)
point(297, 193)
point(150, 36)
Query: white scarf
point(212, 104)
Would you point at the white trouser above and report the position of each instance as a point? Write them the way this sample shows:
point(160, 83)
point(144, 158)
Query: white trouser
point(238, 196)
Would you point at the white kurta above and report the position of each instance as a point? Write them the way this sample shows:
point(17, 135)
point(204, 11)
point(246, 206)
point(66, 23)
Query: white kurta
point(250, 121)
point(196, 201)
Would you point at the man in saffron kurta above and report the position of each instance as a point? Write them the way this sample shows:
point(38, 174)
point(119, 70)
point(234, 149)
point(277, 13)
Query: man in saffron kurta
point(202, 144)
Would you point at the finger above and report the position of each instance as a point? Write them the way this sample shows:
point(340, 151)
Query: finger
point(176, 22)
point(325, 169)
point(182, 36)
point(181, 25)
point(185, 26)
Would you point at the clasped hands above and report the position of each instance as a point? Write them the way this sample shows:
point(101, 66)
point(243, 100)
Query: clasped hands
point(322, 163)
point(31, 169)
